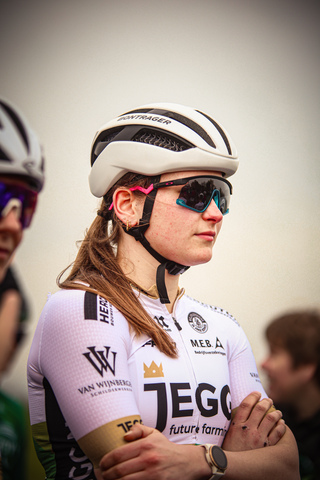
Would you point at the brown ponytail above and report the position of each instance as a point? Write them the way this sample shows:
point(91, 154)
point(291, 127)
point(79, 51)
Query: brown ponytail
point(96, 264)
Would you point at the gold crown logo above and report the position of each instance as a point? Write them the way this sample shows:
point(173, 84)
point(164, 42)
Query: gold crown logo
point(153, 370)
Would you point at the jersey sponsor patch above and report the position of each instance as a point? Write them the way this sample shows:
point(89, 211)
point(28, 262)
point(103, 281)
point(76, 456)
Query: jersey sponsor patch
point(90, 306)
point(100, 310)
point(153, 370)
point(177, 402)
point(102, 360)
point(197, 322)
point(163, 324)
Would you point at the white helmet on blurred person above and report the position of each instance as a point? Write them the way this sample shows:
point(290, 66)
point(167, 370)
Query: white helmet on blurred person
point(20, 151)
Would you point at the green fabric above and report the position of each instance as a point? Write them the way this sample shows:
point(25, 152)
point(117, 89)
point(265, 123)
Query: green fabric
point(12, 438)
point(44, 449)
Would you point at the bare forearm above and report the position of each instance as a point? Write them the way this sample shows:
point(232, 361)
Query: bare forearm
point(149, 452)
point(279, 462)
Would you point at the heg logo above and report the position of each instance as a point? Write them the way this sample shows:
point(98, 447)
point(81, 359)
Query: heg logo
point(100, 360)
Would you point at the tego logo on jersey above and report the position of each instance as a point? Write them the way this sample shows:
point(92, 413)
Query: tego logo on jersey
point(197, 322)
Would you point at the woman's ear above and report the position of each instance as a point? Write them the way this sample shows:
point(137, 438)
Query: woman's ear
point(126, 206)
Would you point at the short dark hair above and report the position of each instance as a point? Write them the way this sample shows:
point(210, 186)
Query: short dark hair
point(298, 332)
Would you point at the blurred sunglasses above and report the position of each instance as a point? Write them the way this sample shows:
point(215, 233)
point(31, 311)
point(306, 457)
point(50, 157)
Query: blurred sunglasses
point(197, 192)
point(19, 197)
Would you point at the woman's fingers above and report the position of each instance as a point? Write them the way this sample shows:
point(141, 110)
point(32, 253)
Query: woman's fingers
point(277, 433)
point(138, 431)
point(242, 413)
point(255, 424)
point(128, 457)
point(259, 413)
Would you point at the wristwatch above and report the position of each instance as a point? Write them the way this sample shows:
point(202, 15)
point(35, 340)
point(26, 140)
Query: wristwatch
point(216, 459)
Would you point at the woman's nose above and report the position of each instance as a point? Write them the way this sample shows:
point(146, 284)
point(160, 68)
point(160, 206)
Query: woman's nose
point(213, 213)
point(265, 364)
point(11, 221)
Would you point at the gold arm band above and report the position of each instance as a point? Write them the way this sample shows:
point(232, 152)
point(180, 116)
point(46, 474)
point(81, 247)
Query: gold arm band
point(106, 438)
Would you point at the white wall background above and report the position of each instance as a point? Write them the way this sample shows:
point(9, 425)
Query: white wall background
point(71, 65)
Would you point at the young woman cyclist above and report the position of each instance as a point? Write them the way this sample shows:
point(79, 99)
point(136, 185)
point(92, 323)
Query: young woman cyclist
point(128, 376)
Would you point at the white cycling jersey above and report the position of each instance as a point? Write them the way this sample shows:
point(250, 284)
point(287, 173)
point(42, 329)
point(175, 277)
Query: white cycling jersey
point(90, 378)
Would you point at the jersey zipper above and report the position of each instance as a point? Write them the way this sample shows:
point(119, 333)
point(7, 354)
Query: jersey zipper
point(177, 324)
point(186, 357)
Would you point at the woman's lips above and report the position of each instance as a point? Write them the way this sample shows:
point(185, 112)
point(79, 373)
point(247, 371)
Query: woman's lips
point(4, 252)
point(207, 235)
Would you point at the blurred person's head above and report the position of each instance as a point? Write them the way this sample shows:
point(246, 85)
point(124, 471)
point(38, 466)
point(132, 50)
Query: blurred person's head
point(293, 361)
point(21, 179)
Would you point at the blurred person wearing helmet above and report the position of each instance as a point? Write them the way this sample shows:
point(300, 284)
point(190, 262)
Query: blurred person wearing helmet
point(121, 356)
point(293, 369)
point(21, 179)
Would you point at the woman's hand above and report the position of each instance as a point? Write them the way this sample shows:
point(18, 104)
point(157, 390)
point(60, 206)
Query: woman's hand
point(255, 424)
point(149, 454)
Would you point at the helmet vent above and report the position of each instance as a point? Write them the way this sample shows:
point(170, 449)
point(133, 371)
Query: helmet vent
point(178, 118)
point(18, 124)
point(3, 156)
point(102, 141)
point(157, 139)
point(222, 133)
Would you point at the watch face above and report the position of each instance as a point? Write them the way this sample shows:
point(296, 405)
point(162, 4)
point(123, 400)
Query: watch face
point(219, 457)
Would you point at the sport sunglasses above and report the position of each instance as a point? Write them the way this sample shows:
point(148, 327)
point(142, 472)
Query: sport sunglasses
point(22, 198)
point(197, 192)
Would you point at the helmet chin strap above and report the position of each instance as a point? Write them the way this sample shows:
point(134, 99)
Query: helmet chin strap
point(173, 268)
point(138, 231)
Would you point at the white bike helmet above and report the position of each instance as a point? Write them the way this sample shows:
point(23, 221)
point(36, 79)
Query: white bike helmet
point(159, 138)
point(20, 151)
point(155, 139)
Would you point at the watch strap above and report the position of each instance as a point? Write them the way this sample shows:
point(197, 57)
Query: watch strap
point(216, 470)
